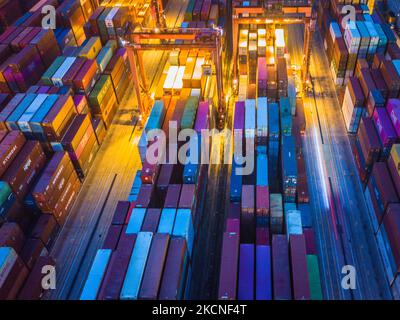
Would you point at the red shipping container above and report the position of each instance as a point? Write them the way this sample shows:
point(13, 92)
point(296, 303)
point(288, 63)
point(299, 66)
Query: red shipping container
point(298, 260)
point(26, 167)
point(154, 267)
point(11, 145)
point(12, 236)
point(118, 265)
point(32, 289)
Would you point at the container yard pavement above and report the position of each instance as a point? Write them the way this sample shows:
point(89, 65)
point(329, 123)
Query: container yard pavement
point(109, 181)
point(343, 232)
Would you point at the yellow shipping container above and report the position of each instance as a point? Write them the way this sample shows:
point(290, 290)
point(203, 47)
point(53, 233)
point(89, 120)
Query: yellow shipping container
point(395, 153)
point(183, 57)
point(187, 77)
point(91, 49)
point(197, 73)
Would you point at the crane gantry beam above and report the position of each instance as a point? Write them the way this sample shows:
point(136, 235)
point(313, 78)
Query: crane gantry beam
point(178, 38)
point(264, 18)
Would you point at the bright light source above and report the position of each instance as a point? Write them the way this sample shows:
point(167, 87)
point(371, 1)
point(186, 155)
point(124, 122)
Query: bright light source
point(279, 38)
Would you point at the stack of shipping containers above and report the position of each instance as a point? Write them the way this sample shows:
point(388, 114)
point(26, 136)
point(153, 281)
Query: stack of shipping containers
point(265, 254)
point(60, 90)
point(371, 107)
point(152, 242)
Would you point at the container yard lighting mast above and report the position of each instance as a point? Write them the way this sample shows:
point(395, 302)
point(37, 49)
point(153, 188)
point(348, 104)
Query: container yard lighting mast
point(291, 12)
point(170, 39)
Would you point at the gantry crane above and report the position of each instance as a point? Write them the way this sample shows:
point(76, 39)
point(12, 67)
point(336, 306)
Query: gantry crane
point(206, 39)
point(259, 15)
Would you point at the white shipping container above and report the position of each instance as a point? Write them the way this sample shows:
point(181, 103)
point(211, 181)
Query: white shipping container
point(250, 118)
point(293, 222)
point(178, 83)
point(170, 80)
point(195, 93)
point(243, 42)
point(352, 37)
point(262, 117)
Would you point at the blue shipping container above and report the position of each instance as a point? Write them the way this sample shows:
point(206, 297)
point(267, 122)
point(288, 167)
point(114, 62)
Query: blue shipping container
point(263, 273)
point(137, 264)
point(166, 224)
point(183, 227)
point(262, 170)
point(136, 220)
point(96, 274)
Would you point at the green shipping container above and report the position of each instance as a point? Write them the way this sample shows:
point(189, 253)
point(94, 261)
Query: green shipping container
point(314, 277)
point(46, 78)
point(100, 89)
point(189, 114)
point(189, 10)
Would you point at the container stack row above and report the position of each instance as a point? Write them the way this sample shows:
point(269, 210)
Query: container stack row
point(151, 243)
point(268, 248)
point(59, 92)
point(365, 58)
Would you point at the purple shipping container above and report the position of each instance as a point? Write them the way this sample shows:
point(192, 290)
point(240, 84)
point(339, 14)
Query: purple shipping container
point(176, 264)
point(238, 121)
point(246, 272)
point(392, 227)
point(263, 273)
point(144, 196)
point(120, 213)
point(298, 259)
point(188, 196)
point(262, 236)
point(115, 275)
point(202, 117)
point(281, 268)
point(356, 92)
point(154, 267)
point(233, 225)
point(384, 126)
point(369, 141)
point(394, 174)
point(380, 82)
point(393, 109)
point(381, 189)
point(310, 241)
point(150, 223)
point(248, 221)
point(234, 210)
point(172, 197)
point(112, 237)
point(229, 267)
point(164, 177)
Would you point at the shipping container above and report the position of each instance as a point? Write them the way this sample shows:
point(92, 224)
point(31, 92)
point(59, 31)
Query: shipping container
point(96, 274)
point(281, 268)
point(136, 267)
